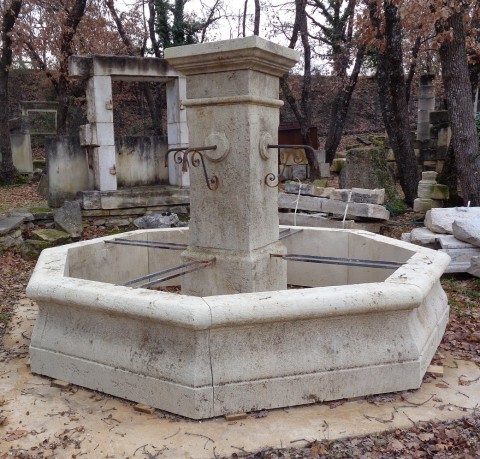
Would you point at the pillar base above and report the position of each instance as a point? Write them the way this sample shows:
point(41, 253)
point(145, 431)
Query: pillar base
point(235, 272)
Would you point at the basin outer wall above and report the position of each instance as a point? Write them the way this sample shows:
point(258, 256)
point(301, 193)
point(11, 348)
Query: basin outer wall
point(243, 352)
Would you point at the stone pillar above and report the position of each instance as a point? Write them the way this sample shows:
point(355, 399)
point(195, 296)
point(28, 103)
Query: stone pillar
point(100, 132)
point(426, 104)
point(232, 102)
point(20, 144)
point(177, 130)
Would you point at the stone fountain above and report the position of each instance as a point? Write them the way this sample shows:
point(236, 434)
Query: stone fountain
point(367, 319)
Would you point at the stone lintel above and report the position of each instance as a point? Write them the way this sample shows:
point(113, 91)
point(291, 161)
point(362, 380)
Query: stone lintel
point(120, 67)
point(252, 53)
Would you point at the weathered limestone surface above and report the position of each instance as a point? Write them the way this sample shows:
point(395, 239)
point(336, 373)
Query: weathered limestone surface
point(319, 221)
point(241, 352)
point(449, 241)
point(367, 168)
point(467, 230)
point(461, 259)
point(164, 220)
point(232, 102)
point(67, 169)
point(474, 268)
point(134, 197)
point(423, 236)
point(98, 135)
point(314, 204)
point(51, 235)
point(441, 220)
point(69, 218)
point(9, 224)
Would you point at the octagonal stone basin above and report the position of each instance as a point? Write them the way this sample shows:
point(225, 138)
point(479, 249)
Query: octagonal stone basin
point(356, 331)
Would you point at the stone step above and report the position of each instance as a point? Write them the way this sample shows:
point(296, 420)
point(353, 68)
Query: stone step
point(134, 197)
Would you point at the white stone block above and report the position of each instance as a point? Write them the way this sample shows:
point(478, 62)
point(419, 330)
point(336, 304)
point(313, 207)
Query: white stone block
point(21, 152)
point(461, 259)
point(314, 204)
point(441, 220)
point(467, 230)
point(474, 269)
point(324, 170)
point(99, 100)
point(104, 167)
point(448, 241)
point(423, 236)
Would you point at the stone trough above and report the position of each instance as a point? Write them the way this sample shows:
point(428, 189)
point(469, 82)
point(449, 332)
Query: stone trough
point(356, 331)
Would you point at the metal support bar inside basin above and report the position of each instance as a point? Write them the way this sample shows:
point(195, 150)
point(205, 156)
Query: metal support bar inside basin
point(187, 268)
point(143, 243)
point(381, 264)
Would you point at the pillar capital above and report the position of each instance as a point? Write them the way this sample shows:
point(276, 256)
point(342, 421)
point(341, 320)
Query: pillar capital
point(251, 53)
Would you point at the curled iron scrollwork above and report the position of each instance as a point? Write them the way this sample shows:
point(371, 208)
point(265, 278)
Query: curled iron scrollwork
point(196, 159)
point(271, 180)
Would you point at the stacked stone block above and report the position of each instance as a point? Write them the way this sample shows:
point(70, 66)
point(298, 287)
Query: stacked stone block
point(430, 193)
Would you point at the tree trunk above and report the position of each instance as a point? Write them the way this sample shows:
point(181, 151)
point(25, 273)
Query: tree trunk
point(302, 110)
point(338, 114)
point(63, 103)
point(8, 173)
point(455, 77)
point(393, 99)
point(69, 29)
point(256, 21)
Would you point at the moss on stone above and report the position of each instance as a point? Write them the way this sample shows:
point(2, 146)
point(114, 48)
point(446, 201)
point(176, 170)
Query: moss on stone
point(39, 210)
point(53, 236)
point(31, 249)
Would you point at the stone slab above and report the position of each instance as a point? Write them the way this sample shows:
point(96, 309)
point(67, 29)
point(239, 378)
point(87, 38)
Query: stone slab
point(314, 204)
point(440, 220)
point(9, 224)
point(474, 268)
point(449, 241)
point(423, 236)
point(69, 218)
point(26, 214)
point(50, 235)
point(319, 221)
point(461, 259)
point(134, 197)
point(467, 230)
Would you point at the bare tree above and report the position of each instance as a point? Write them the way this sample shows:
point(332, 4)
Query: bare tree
point(9, 14)
point(335, 29)
point(392, 91)
point(302, 109)
point(457, 83)
point(62, 19)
